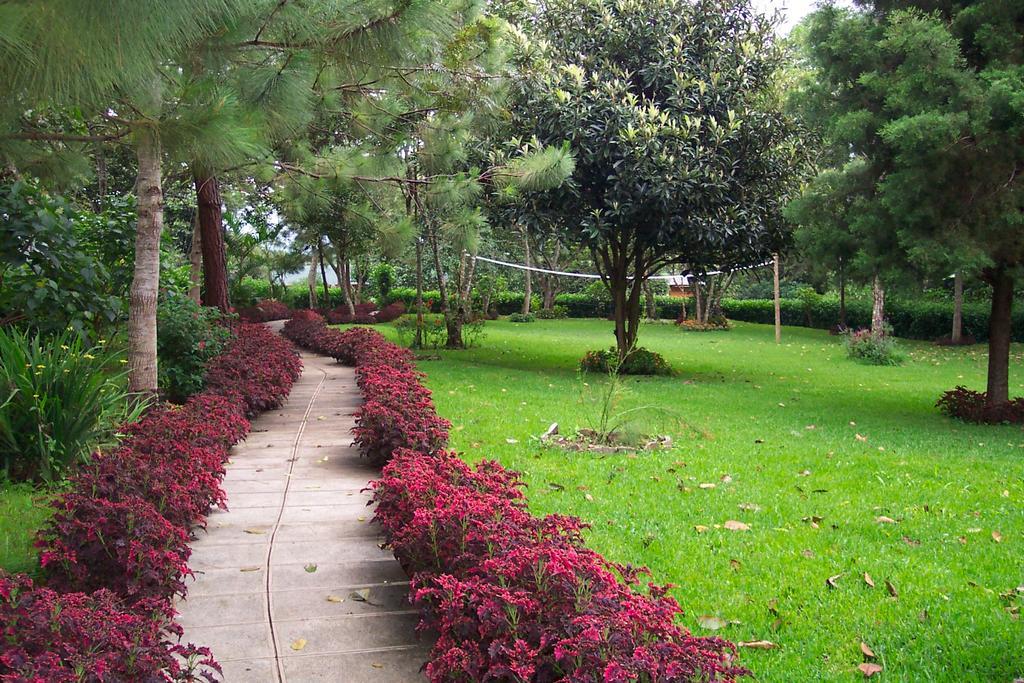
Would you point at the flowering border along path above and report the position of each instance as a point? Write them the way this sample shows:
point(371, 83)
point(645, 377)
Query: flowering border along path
point(115, 554)
point(510, 596)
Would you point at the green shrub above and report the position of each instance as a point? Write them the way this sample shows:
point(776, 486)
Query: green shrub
point(188, 336)
point(383, 278)
point(865, 347)
point(435, 333)
point(639, 361)
point(522, 318)
point(554, 313)
point(59, 399)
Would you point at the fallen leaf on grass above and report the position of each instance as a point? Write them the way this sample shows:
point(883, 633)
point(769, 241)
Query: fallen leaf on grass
point(868, 580)
point(869, 669)
point(868, 652)
point(912, 542)
point(711, 622)
point(707, 486)
point(882, 519)
point(860, 438)
point(735, 564)
point(589, 497)
point(299, 644)
point(511, 440)
point(891, 588)
point(700, 528)
point(750, 507)
point(758, 644)
point(733, 525)
point(997, 537)
point(833, 581)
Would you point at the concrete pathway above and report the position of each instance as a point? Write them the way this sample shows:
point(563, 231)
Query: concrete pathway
point(291, 584)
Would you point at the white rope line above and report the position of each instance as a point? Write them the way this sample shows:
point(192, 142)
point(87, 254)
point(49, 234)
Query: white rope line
point(591, 276)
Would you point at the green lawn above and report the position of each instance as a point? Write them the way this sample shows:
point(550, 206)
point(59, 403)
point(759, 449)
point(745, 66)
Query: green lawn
point(787, 434)
point(23, 512)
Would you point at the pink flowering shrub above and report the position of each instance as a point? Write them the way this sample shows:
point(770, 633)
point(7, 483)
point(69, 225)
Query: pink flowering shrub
point(71, 637)
point(115, 551)
point(510, 596)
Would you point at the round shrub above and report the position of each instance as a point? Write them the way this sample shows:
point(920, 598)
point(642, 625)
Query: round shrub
point(553, 313)
point(972, 406)
point(639, 361)
point(873, 349)
point(188, 337)
point(522, 318)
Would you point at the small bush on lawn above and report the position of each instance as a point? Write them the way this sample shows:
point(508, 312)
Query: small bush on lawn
point(714, 324)
point(553, 313)
point(434, 330)
point(59, 399)
point(865, 347)
point(521, 318)
point(639, 361)
point(972, 406)
point(188, 337)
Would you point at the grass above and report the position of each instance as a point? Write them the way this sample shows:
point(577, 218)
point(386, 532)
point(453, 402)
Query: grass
point(23, 512)
point(806, 447)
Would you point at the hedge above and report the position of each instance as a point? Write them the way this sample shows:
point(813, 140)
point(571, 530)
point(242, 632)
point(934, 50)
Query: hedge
point(114, 554)
point(912, 320)
point(510, 596)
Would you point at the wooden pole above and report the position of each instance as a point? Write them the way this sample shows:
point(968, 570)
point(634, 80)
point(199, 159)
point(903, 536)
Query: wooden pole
point(778, 303)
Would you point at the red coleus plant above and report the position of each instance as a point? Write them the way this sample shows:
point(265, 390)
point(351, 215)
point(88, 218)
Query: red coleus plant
point(72, 637)
point(115, 550)
point(510, 596)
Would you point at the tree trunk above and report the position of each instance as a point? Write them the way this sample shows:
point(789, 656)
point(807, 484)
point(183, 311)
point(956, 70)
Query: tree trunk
point(314, 301)
point(842, 295)
point(999, 335)
point(351, 298)
point(418, 339)
point(877, 308)
point(777, 296)
point(698, 305)
point(651, 304)
point(958, 309)
point(142, 361)
point(323, 274)
point(528, 290)
point(626, 292)
point(215, 272)
point(452, 326)
point(195, 260)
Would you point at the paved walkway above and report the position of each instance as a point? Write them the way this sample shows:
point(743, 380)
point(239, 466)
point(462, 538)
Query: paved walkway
point(291, 584)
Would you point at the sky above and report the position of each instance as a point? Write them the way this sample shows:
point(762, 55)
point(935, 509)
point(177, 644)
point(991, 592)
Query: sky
point(794, 10)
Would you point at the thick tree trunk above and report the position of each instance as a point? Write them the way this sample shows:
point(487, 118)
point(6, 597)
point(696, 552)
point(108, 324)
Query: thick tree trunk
point(314, 300)
point(195, 261)
point(351, 297)
point(999, 335)
point(698, 302)
point(877, 308)
point(958, 309)
point(215, 271)
point(142, 361)
point(528, 289)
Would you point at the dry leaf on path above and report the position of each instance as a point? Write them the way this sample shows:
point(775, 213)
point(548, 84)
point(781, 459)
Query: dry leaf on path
point(255, 531)
point(335, 598)
point(250, 569)
point(310, 568)
point(299, 644)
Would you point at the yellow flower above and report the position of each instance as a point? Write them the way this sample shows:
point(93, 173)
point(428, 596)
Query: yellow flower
point(89, 356)
point(65, 347)
point(123, 361)
point(41, 366)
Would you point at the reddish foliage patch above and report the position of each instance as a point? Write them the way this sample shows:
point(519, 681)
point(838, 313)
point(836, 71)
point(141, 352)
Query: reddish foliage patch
point(972, 406)
point(265, 311)
point(115, 551)
point(511, 596)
